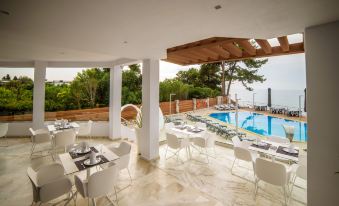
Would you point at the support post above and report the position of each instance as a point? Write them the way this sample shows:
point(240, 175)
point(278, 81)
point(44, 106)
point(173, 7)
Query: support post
point(149, 146)
point(39, 94)
point(115, 102)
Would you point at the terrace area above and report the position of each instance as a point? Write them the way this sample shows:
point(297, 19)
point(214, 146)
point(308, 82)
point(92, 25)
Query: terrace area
point(77, 143)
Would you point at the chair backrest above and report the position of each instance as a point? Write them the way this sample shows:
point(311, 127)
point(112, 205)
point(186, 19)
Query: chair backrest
point(169, 125)
point(200, 125)
point(210, 139)
point(276, 139)
point(3, 129)
point(101, 183)
point(271, 172)
point(48, 173)
point(172, 141)
point(199, 141)
point(65, 138)
point(242, 154)
point(236, 141)
point(123, 151)
point(85, 129)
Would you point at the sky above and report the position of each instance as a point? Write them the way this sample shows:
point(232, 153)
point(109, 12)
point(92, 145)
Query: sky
point(281, 72)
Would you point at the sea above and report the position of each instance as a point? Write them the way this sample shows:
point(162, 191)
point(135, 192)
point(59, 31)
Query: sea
point(279, 97)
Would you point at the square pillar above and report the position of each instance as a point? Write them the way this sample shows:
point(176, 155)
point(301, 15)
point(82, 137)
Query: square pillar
point(321, 52)
point(149, 146)
point(39, 94)
point(115, 102)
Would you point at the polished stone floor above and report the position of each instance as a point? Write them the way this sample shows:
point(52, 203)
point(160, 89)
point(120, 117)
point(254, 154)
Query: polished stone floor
point(162, 182)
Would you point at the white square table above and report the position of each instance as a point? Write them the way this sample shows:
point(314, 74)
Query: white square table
point(273, 152)
point(69, 164)
point(51, 127)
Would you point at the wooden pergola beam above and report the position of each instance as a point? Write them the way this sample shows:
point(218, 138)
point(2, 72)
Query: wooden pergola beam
point(247, 46)
point(232, 49)
point(260, 53)
point(222, 52)
point(284, 44)
point(263, 43)
point(182, 49)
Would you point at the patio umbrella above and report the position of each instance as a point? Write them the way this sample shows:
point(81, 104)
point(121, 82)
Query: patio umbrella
point(269, 101)
point(305, 100)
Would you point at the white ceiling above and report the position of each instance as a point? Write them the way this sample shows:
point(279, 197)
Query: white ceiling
point(89, 30)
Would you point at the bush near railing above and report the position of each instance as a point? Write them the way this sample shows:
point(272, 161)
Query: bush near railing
point(101, 114)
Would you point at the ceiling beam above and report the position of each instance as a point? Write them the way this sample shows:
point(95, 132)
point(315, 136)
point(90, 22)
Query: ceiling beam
point(216, 43)
point(222, 52)
point(263, 43)
point(247, 46)
point(211, 54)
point(283, 41)
point(199, 55)
point(231, 48)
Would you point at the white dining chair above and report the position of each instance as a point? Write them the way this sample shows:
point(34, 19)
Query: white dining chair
point(85, 129)
point(207, 141)
point(238, 143)
point(63, 140)
point(279, 140)
point(299, 171)
point(124, 153)
point(38, 137)
point(3, 133)
point(49, 183)
point(274, 173)
point(176, 144)
point(98, 184)
point(201, 125)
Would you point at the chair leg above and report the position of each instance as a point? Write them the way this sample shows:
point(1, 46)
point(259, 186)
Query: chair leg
point(208, 161)
point(116, 195)
point(233, 165)
point(290, 196)
point(93, 201)
point(166, 151)
point(5, 142)
point(130, 177)
point(285, 198)
point(32, 149)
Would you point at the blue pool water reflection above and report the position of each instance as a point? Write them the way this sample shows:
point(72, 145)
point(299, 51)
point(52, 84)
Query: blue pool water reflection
point(263, 124)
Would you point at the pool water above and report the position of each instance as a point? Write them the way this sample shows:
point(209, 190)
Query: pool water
point(263, 124)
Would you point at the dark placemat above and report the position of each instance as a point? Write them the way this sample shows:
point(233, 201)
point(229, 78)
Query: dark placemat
point(281, 151)
point(265, 147)
point(75, 155)
point(81, 166)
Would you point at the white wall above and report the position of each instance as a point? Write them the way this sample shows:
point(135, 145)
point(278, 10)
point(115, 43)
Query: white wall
point(322, 73)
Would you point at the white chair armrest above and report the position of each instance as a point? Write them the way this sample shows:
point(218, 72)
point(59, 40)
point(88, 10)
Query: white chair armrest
point(33, 176)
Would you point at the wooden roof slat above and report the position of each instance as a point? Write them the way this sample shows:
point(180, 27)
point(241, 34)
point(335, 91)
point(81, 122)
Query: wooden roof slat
point(199, 55)
point(247, 46)
point(265, 45)
point(231, 48)
point(211, 54)
point(222, 52)
point(283, 41)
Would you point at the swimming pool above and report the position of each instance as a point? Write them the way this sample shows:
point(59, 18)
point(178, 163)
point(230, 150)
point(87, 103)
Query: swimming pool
point(263, 124)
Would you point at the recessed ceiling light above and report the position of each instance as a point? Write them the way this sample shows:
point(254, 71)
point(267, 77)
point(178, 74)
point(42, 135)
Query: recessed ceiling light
point(125, 42)
point(4, 12)
point(217, 7)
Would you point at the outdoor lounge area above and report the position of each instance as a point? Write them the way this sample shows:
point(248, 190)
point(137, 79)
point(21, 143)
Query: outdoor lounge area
point(130, 103)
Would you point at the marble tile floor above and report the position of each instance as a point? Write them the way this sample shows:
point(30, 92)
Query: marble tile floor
point(161, 182)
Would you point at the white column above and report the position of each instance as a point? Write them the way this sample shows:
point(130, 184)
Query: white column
point(115, 102)
point(39, 94)
point(149, 146)
point(321, 47)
